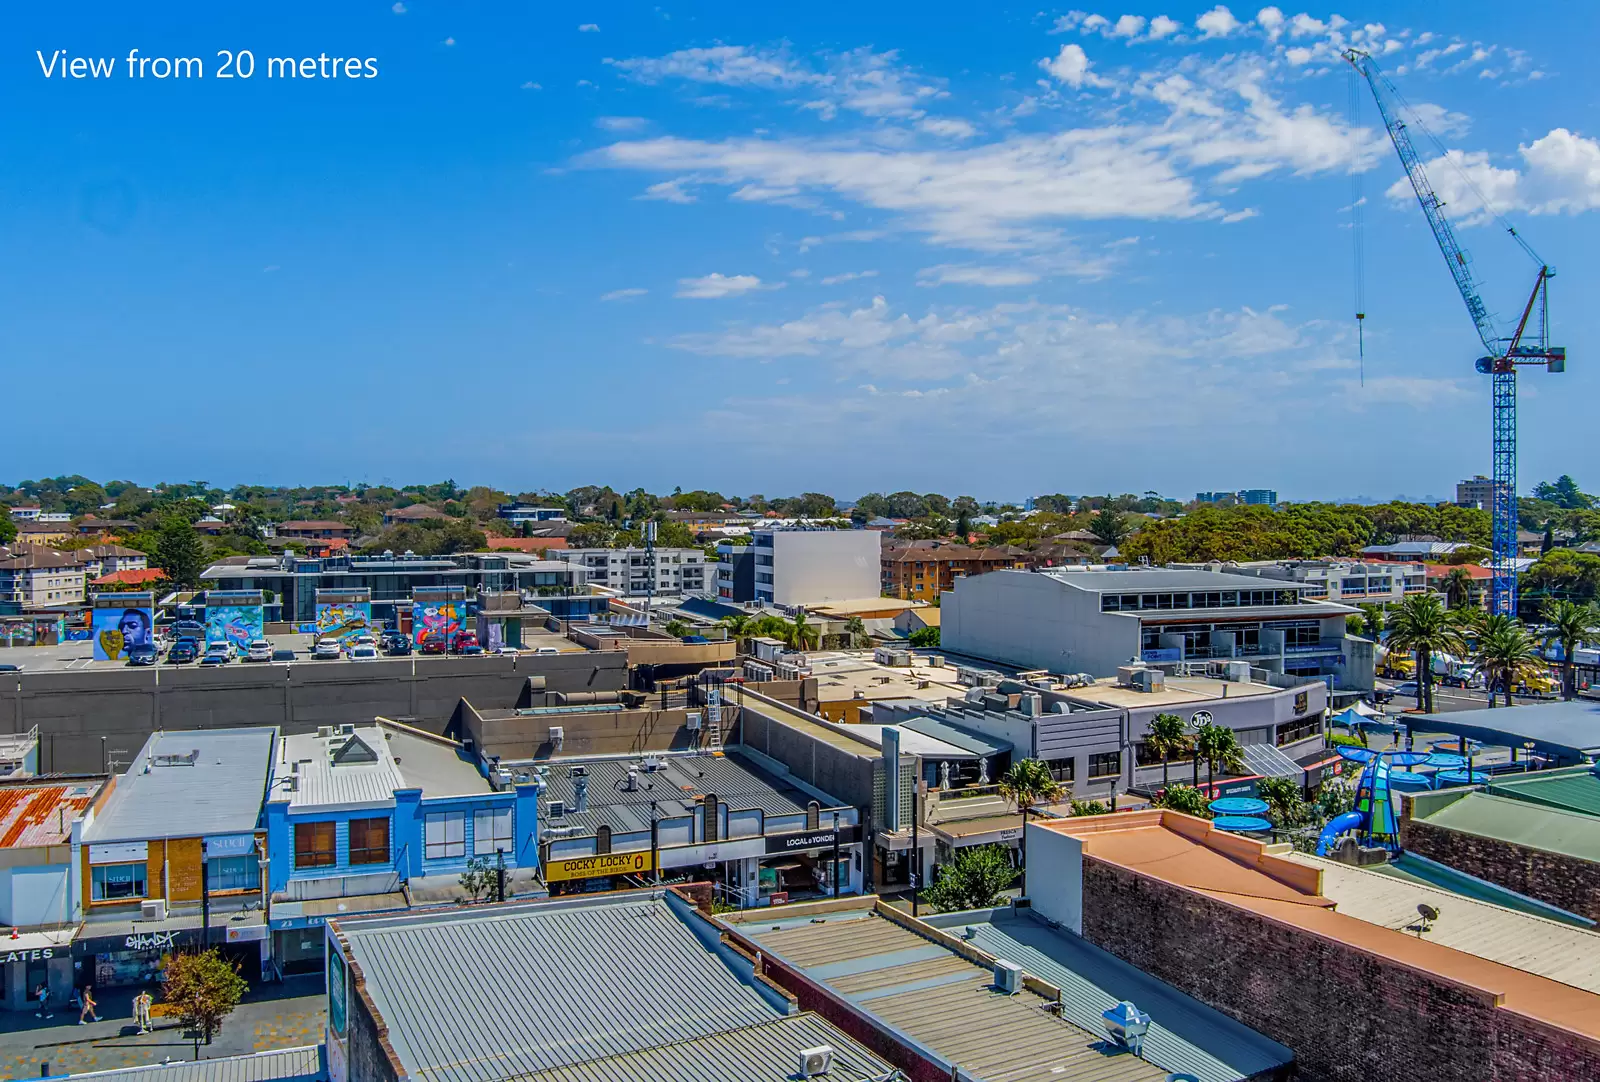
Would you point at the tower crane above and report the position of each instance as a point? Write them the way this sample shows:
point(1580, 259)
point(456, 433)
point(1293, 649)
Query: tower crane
point(1528, 342)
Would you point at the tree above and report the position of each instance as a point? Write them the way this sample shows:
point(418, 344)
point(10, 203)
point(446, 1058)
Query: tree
point(802, 636)
point(1219, 747)
point(8, 530)
point(1028, 784)
point(1420, 625)
point(1563, 493)
point(1373, 617)
point(1183, 798)
point(924, 636)
point(1167, 738)
point(738, 625)
point(1506, 654)
point(203, 989)
point(974, 879)
point(1284, 802)
point(855, 630)
point(179, 552)
point(963, 528)
point(1109, 526)
point(479, 880)
point(1571, 625)
point(676, 628)
point(1458, 587)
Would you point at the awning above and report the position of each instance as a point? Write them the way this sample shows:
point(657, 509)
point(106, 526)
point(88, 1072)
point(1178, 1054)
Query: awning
point(1269, 762)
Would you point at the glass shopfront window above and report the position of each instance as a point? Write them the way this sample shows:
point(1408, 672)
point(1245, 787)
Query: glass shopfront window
point(113, 882)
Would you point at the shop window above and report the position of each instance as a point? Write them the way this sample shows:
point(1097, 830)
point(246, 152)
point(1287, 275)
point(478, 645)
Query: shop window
point(491, 831)
point(369, 841)
point(1062, 769)
point(315, 845)
point(112, 882)
point(445, 835)
point(233, 873)
point(1106, 764)
point(1299, 730)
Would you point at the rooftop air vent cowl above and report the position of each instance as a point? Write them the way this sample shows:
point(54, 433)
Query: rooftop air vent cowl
point(1126, 1025)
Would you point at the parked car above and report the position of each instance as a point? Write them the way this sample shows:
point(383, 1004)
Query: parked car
point(183, 651)
point(221, 650)
point(326, 649)
point(1407, 689)
point(363, 651)
point(466, 643)
point(258, 650)
point(143, 653)
point(283, 655)
point(546, 650)
point(189, 629)
point(397, 646)
point(215, 659)
point(434, 645)
point(8, 667)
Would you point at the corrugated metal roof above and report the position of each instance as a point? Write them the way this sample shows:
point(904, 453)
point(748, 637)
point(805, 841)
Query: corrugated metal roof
point(943, 1002)
point(974, 743)
point(1163, 580)
point(474, 996)
point(1576, 789)
point(35, 813)
point(1535, 944)
point(763, 1053)
point(282, 1065)
point(322, 783)
point(220, 792)
point(1522, 823)
point(1185, 1035)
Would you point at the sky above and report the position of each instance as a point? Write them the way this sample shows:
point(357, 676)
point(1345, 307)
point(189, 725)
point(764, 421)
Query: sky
point(987, 249)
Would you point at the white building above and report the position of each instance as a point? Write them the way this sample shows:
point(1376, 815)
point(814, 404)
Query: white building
point(628, 571)
point(1352, 582)
point(797, 567)
point(519, 513)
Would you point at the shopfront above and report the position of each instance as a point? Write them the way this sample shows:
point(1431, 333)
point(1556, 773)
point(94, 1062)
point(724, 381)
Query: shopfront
point(133, 958)
point(32, 959)
point(808, 864)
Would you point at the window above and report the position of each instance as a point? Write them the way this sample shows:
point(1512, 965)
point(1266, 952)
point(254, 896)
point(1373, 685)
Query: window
point(1106, 764)
point(233, 873)
point(315, 845)
point(491, 830)
point(1061, 769)
point(1299, 730)
point(369, 841)
point(115, 881)
point(446, 836)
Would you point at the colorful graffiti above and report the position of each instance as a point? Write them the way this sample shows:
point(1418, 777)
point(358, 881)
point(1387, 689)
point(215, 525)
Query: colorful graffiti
point(433, 620)
point(117, 629)
point(236, 625)
point(343, 620)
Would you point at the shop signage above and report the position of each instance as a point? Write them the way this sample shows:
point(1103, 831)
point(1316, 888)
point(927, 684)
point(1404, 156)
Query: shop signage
point(597, 866)
point(36, 955)
point(1236, 788)
point(287, 924)
point(151, 941)
point(1161, 655)
point(682, 856)
point(230, 845)
point(809, 839)
point(249, 933)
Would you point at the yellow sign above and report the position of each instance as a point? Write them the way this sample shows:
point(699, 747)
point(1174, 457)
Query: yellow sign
point(594, 867)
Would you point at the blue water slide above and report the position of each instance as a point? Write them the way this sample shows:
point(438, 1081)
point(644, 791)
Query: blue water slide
point(1349, 820)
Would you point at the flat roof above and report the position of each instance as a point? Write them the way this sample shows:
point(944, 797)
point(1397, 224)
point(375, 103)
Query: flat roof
point(1519, 822)
point(1572, 727)
point(938, 998)
point(189, 784)
point(911, 742)
point(1539, 945)
point(841, 677)
point(974, 742)
point(858, 606)
point(1175, 690)
point(1166, 580)
point(1576, 789)
point(34, 813)
point(1185, 1035)
point(1192, 854)
point(571, 981)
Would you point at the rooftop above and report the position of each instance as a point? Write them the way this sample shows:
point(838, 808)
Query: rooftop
point(1164, 579)
point(1175, 690)
point(188, 784)
point(34, 813)
point(841, 676)
point(612, 976)
point(1185, 1035)
point(1576, 789)
point(1536, 944)
point(1572, 728)
point(362, 766)
point(1519, 822)
point(938, 998)
point(281, 1065)
point(1235, 871)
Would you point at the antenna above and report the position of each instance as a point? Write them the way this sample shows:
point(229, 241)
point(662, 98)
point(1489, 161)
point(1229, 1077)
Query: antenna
point(1428, 915)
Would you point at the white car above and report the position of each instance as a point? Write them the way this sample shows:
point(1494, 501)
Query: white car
point(258, 650)
point(363, 651)
point(546, 650)
point(325, 649)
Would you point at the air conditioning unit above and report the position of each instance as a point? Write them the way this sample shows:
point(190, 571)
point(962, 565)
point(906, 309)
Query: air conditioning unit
point(558, 736)
point(153, 909)
point(816, 1061)
point(1007, 977)
point(347, 728)
point(693, 721)
point(324, 731)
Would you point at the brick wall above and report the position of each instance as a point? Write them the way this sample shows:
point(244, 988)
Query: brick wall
point(1564, 881)
point(1347, 1015)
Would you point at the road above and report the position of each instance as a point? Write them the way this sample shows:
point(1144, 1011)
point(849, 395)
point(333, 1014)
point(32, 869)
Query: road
point(1447, 699)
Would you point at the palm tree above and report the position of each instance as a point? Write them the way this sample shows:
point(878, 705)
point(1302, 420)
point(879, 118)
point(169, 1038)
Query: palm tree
point(1571, 625)
point(1506, 653)
point(802, 636)
point(1218, 746)
point(1458, 587)
point(856, 631)
point(1166, 738)
point(1420, 625)
point(738, 625)
point(1028, 784)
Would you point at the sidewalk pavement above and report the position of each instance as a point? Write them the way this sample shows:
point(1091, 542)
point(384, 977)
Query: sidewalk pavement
point(286, 1015)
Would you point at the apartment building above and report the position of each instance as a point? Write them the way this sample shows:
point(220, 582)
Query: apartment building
point(33, 577)
point(922, 570)
point(1477, 492)
point(799, 566)
point(636, 572)
point(1352, 582)
point(519, 513)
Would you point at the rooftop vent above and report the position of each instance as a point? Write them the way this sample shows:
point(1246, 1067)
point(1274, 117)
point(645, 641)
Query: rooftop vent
point(816, 1061)
point(1126, 1025)
point(557, 809)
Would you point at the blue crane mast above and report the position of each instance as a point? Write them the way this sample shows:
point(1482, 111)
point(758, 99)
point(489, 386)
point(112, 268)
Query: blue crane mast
point(1527, 344)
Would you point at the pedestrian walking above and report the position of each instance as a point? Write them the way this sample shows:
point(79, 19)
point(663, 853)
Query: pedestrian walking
point(42, 995)
point(87, 1009)
point(141, 1011)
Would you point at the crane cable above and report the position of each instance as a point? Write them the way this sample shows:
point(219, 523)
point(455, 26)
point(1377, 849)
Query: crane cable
point(1358, 221)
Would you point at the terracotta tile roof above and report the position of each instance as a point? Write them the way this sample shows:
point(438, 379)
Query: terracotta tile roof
point(414, 511)
point(142, 576)
point(300, 525)
point(526, 544)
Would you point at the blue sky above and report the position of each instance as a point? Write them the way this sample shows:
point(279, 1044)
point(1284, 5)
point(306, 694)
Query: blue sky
point(997, 250)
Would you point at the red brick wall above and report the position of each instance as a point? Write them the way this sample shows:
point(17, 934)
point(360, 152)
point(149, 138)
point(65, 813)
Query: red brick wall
point(1564, 881)
point(1347, 1015)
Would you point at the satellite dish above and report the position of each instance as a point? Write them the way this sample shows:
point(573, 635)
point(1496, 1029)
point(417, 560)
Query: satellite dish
point(1428, 915)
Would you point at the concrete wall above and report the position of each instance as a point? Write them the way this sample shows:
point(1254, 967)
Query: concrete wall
point(75, 708)
point(1036, 621)
point(812, 566)
point(1568, 882)
point(615, 732)
point(845, 775)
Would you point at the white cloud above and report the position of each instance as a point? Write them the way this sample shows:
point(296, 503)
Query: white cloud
point(620, 123)
point(398, 7)
point(589, 28)
point(1304, 26)
point(716, 286)
point(1217, 23)
point(449, 41)
point(1239, 215)
point(1560, 175)
point(669, 191)
point(531, 86)
point(1071, 67)
point(585, 82)
point(623, 294)
point(848, 276)
point(1163, 27)
point(955, 274)
point(948, 127)
point(1270, 19)
point(1128, 26)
